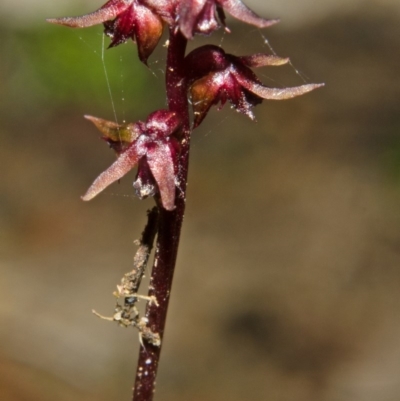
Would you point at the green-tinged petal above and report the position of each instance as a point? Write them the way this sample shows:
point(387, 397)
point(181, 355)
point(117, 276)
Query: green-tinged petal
point(262, 60)
point(119, 136)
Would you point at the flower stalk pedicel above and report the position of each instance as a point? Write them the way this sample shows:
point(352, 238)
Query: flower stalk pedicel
point(159, 146)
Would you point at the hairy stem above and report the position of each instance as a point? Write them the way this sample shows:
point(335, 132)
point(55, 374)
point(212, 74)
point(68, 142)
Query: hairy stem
point(170, 223)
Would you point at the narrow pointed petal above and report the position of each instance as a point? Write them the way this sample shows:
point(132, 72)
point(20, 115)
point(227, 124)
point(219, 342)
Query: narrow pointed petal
point(188, 14)
point(108, 12)
point(262, 60)
point(161, 164)
point(125, 162)
point(275, 93)
point(240, 11)
point(149, 28)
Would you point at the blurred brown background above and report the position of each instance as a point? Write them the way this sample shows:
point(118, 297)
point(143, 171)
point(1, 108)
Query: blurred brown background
point(288, 277)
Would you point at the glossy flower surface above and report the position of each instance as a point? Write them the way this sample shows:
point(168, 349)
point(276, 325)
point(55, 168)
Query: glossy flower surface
point(201, 16)
point(216, 77)
point(123, 20)
point(146, 144)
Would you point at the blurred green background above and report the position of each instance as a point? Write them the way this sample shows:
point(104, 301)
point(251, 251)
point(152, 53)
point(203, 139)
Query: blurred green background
point(287, 284)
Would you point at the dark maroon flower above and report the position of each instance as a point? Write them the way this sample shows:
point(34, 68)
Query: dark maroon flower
point(123, 20)
point(146, 144)
point(201, 16)
point(215, 77)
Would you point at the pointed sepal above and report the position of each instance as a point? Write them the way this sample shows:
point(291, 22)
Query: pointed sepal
point(241, 12)
point(109, 11)
point(118, 136)
point(125, 162)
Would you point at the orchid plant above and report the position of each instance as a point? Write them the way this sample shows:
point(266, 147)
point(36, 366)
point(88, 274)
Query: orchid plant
point(159, 146)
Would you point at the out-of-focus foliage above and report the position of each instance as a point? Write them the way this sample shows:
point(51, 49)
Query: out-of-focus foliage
point(50, 67)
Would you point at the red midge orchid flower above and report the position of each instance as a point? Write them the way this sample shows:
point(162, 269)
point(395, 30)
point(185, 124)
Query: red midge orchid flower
point(123, 20)
point(217, 77)
point(200, 16)
point(146, 144)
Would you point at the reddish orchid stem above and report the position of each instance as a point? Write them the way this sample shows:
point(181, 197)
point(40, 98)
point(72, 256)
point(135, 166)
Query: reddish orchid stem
point(170, 223)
